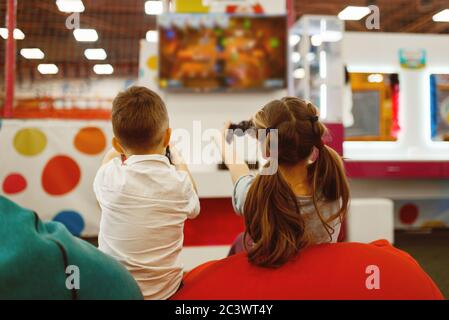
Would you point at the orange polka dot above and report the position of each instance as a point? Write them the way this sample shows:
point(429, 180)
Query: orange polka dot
point(90, 140)
point(60, 176)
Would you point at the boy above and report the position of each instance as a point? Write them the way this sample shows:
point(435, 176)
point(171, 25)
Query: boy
point(144, 199)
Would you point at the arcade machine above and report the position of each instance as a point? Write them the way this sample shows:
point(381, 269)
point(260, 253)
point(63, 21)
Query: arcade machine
point(317, 70)
point(395, 141)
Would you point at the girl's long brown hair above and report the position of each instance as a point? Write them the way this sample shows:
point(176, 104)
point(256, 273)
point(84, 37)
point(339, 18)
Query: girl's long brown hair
point(271, 210)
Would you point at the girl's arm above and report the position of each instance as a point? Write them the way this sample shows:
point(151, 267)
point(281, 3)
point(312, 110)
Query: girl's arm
point(237, 171)
point(237, 168)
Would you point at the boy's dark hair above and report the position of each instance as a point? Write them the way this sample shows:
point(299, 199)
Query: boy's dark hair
point(139, 118)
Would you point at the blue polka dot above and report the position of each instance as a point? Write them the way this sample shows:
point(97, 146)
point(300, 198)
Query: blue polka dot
point(72, 220)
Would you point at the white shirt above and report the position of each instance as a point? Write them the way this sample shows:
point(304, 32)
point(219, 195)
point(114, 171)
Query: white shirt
point(144, 204)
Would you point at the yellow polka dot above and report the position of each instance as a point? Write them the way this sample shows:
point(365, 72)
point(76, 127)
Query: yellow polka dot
point(30, 141)
point(163, 83)
point(152, 63)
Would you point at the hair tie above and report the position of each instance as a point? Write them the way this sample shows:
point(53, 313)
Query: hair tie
point(267, 130)
point(314, 118)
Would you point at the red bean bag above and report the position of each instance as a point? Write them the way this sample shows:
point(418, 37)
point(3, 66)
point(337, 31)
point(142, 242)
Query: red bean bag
point(328, 271)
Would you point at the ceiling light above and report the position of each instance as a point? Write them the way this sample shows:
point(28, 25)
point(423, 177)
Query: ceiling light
point(353, 13)
point(296, 57)
point(45, 68)
point(299, 73)
point(95, 54)
point(310, 56)
point(323, 101)
point(85, 35)
point(316, 40)
point(152, 36)
point(154, 7)
point(103, 69)
point(17, 34)
point(70, 5)
point(323, 64)
point(331, 36)
point(375, 78)
point(442, 16)
point(32, 53)
point(294, 39)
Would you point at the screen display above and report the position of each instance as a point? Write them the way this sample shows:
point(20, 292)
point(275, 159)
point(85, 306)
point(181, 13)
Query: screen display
point(371, 106)
point(222, 52)
point(439, 85)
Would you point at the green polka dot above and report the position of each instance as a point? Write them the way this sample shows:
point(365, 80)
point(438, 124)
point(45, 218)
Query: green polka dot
point(247, 24)
point(274, 42)
point(30, 141)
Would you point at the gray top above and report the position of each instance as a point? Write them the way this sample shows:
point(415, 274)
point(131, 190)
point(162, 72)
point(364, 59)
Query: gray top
point(313, 223)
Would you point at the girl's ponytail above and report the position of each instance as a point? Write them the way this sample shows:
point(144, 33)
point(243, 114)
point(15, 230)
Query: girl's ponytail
point(329, 183)
point(273, 221)
point(271, 210)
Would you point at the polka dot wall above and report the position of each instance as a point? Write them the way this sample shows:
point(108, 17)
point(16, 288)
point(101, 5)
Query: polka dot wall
point(422, 213)
point(50, 167)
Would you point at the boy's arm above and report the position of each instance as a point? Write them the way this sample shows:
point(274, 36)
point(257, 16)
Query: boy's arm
point(180, 165)
point(100, 175)
point(111, 154)
point(194, 205)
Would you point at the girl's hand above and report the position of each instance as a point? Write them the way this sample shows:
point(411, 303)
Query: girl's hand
point(223, 142)
point(236, 168)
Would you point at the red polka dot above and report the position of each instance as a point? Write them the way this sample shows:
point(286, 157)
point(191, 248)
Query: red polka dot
point(408, 213)
point(14, 183)
point(60, 176)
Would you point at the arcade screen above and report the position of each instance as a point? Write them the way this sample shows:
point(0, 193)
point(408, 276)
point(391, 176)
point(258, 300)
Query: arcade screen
point(371, 107)
point(439, 85)
point(222, 52)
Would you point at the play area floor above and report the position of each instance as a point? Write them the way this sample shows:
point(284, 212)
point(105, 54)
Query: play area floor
point(431, 249)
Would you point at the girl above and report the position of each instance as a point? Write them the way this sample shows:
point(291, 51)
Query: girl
point(304, 201)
